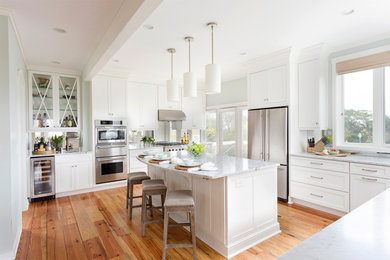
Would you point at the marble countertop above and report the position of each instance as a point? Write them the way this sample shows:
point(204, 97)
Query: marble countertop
point(365, 158)
point(140, 146)
point(227, 165)
point(364, 233)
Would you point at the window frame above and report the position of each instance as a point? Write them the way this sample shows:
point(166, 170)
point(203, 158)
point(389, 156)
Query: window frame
point(238, 129)
point(379, 109)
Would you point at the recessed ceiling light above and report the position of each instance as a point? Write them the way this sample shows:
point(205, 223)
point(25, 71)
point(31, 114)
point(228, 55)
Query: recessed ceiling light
point(348, 11)
point(59, 30)
point(55, 62)
point(148, 27)
point(115, 61)
point(243, 53)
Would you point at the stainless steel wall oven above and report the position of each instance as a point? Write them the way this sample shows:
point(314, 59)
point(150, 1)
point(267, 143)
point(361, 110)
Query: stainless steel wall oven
point(110, 151)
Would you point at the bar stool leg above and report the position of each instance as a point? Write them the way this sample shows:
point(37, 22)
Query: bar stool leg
point(165, 235)
point(143, 212)
point(192, 228)
point(162, 202)
point(151, 205)
point(127, 194)
point(131, 201)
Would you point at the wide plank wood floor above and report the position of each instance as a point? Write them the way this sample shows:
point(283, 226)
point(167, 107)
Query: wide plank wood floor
point(96, 225)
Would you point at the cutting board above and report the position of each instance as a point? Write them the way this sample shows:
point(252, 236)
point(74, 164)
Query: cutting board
point(334, 155)
point(43, 152)
point(185, 168)
point(156, 161)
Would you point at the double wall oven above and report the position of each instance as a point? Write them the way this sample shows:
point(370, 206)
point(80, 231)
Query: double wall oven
point(110, 151)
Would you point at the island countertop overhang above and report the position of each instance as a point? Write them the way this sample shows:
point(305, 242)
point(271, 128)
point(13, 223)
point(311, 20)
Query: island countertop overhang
point(227, 165)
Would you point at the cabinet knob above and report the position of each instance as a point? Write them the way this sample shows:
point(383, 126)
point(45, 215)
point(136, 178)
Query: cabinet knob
point(265, 99)
point(316, 123)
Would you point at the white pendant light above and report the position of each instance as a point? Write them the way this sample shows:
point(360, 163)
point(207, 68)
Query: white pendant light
point(213, 71)
point(172, 84)
point(190, 87)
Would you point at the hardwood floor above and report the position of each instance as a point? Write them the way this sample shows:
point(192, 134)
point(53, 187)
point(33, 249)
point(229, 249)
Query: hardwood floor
point(96, 226)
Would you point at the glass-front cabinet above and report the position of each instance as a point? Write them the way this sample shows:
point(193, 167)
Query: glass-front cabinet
point(54, 100)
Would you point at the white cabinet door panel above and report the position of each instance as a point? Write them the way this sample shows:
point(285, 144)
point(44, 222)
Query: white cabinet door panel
point(308, 91)
point(100, 94)
point(148, 101)
point(257, 90)
point(82, 173)
point(117, 98)
point(364, 188)
point(277, 85)
point(64, 178)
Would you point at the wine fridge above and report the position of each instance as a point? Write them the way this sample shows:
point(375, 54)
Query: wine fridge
point(42, 178)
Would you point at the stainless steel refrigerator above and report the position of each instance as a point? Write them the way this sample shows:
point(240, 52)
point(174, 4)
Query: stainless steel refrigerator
point(268, 141)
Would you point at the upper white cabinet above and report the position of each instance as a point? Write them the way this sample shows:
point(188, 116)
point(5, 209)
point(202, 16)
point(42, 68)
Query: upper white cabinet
point(109, 97)
point(195, 110)
point(268, 80)
point(163, 102)
point(268, 88)
point(54, 101)
point(312, 88)
point(142, 106)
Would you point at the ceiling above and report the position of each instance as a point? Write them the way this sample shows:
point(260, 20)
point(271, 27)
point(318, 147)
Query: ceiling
point(85, 22)
point(254, 27)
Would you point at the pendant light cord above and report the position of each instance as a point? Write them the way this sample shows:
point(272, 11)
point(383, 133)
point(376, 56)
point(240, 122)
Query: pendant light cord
point(212, 44)
point(171, 65)
point(189, 55)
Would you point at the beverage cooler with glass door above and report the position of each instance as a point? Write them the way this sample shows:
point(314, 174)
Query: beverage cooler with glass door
point(42, 178)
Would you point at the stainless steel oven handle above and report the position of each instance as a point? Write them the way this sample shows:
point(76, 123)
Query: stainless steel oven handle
point(108, 159)
point(111, 146)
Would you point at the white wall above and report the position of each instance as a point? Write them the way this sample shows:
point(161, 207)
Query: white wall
point(234, 91)
point(11, 114)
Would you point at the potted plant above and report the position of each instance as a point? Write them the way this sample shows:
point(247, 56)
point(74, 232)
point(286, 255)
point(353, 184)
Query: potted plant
point(57, 140)
point(147, 140)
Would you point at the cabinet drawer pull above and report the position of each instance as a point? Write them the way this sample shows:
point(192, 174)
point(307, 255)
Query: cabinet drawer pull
point(369, 179)
point(316, 163)
point(368, 170)
point(315, 177)
point(316, 195)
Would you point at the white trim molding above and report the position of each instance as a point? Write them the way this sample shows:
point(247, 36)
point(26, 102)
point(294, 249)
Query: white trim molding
point(8, 12)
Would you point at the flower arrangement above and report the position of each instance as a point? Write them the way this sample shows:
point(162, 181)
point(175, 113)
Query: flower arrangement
point(196, 149)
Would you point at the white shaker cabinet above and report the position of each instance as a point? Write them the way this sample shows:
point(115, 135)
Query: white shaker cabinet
point(268, 88)
point(142, 107)
point(163, 102)
point(195, 111)
point(312, 89)
point(73, 172)
point(108, 97)
point(364, 188)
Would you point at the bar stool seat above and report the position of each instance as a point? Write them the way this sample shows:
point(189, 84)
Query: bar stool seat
point(134, 178)
point(149, 188)
point(179, 201)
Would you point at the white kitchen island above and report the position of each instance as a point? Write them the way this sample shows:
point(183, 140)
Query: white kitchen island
point(236, 206)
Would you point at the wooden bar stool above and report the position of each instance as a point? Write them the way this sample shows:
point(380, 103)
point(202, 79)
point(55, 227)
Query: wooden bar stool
point(149, 188)
point(134, 178)
point(179, 201)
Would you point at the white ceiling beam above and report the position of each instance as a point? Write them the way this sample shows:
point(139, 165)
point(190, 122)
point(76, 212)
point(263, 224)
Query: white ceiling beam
point(130, 17)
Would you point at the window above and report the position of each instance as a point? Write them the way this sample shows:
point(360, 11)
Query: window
point(228, 122)
point(358, 107)
point(387, 105)
point(244, 133)
point(363, 109)
point(211, 131)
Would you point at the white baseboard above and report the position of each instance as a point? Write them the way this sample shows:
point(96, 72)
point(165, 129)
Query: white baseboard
point(230, 251)
point(318, 207)
point(96, 187)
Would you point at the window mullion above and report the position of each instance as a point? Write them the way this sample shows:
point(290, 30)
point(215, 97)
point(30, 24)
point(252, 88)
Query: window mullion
point(378, 107)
